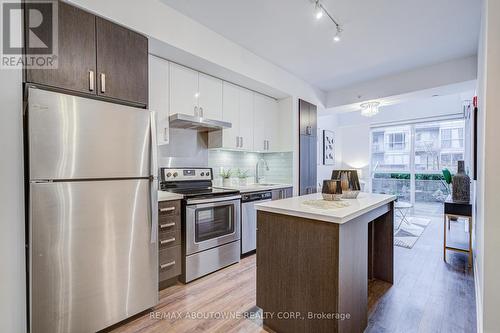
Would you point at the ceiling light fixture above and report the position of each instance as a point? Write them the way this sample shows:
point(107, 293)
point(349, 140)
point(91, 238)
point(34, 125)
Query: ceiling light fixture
point(369, 109)
point(337, 36)
point(319, 11)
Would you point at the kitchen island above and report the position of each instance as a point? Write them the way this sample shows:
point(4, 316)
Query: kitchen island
point(314, 260)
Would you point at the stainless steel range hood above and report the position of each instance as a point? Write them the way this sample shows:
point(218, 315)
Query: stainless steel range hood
point(180, 120)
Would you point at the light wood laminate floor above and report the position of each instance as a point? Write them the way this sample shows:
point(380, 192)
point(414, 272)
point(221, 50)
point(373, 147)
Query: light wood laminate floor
point(428, 296)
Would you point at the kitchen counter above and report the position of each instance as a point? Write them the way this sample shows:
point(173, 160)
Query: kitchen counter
point(304, 207)
point(315, 258)
point(255, 187)
point(167, 196)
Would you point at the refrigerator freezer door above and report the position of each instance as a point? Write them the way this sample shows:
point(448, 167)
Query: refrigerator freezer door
point(92, 262)
point(79, 138)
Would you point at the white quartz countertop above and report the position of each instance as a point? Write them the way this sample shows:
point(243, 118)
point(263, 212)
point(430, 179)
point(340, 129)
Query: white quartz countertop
point(167, 196)
point(305, 207)
point(255, 187)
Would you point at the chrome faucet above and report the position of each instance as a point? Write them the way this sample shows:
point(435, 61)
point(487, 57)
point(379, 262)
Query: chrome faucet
point(257, 176)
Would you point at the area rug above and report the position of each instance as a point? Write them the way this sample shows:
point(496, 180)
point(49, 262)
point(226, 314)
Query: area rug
point(408, 234)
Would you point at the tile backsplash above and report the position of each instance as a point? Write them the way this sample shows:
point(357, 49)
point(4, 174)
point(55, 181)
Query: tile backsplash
point(280, 165)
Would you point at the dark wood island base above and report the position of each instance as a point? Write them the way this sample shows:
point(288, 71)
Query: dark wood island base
point(312, 275)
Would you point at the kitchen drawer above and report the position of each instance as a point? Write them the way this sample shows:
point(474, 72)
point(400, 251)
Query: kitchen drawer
point(170, 260)
point(169, 223)
point(169, 208)
point(169, 239)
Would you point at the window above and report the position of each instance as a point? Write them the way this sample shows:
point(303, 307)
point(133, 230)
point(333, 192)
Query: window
point(391, 149)
point(452, 138)
point(450, 160)
point(407, 160)
point(396, 141)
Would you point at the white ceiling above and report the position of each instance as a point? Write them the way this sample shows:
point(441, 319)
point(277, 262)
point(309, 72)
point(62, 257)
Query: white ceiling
point(381, 37)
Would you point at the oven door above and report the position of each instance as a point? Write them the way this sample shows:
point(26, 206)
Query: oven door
point(212, 222)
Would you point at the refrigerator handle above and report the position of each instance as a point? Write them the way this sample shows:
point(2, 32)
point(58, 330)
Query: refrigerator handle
point(154, 179)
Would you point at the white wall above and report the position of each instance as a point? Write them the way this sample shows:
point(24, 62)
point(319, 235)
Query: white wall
point(12, 253)
point(487, 203)
point(328, 123)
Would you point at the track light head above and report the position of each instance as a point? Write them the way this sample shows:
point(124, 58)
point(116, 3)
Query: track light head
point(318, 11)
point(338, 34)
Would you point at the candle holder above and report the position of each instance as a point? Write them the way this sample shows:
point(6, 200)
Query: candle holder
point(331, 190)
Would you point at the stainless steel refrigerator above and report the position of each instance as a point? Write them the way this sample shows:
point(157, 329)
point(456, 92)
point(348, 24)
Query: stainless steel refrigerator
point(93, 253)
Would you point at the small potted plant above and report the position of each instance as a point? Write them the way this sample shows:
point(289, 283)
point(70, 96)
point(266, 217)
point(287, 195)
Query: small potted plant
point(242, 177)
point(226, 177)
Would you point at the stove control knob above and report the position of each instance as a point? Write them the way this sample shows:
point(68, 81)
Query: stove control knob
point(202, 174)
point(175, 174)
point(169, 174)
point(208, 173)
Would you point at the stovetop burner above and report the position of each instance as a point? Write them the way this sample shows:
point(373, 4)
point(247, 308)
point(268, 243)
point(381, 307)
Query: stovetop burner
point(191, 182)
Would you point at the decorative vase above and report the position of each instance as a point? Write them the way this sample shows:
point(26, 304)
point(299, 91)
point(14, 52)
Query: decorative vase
point(461, 185)
point(226, 182)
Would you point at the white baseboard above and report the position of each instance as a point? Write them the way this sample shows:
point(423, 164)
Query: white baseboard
point(479, 301)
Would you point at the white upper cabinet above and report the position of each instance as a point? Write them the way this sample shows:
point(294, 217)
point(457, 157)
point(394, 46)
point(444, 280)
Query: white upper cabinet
point(159, 95)
point(210, 97)
point(183, 90)
point(266, 124)
point(231, 114)
point(195, 93)
point(238, 110)
point(246, 132)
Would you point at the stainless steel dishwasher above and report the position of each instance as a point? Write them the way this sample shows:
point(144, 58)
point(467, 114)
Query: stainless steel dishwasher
point(249, 219)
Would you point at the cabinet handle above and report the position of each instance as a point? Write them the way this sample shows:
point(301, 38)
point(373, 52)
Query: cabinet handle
point(166, 241)
point(91, 81)
point(241, 142)
point(167, 225)
point(264, 144)
point(103, 82)
point(237, 142)
point(167, 265)
point(196, 113)
point(168, 209)
point(201, 112)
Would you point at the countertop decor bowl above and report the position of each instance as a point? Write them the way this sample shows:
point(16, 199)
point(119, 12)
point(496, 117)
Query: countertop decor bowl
point(331, 197)
point(350, 194)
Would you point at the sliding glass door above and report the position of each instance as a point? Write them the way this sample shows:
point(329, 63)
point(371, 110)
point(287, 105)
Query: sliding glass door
point(407, 160)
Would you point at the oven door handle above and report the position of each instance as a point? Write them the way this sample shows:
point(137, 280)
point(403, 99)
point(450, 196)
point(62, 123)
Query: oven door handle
point(212, 200)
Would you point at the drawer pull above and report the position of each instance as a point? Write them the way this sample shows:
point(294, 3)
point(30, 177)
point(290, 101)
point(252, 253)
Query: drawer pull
point(167, 225)
point(167, 265)
point(168, 209)
point(166, 241)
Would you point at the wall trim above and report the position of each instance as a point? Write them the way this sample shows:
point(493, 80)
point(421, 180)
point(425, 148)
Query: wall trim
point(479, 301)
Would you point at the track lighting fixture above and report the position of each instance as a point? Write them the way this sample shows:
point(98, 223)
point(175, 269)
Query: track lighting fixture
point(337, 36)
point(319, 11)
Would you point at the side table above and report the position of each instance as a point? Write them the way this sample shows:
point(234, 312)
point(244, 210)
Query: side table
point(456, 210)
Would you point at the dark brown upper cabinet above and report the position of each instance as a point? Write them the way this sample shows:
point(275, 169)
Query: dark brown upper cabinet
point(76, 56)
point(97, 57)
point(307, 118)
point(122, 63)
